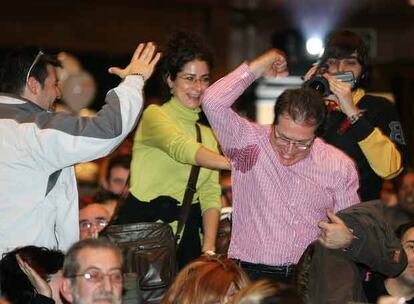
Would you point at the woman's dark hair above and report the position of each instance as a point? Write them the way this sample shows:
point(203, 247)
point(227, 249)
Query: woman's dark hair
point(14, 284)
point(343, 43)
point(182, 47)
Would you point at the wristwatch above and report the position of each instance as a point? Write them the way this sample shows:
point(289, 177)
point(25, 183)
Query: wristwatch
point(354, 117)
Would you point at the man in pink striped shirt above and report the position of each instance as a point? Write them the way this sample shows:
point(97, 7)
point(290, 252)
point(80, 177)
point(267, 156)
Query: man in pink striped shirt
point(286, 181)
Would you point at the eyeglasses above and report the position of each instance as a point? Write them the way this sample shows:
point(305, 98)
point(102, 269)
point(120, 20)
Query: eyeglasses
point(96, 276)
point(285, 142)
point(99, 222)
point(39, 54)
point(192, 80)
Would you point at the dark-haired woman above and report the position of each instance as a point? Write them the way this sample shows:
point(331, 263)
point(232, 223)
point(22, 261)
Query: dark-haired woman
point(165, 148)
point(31, 275)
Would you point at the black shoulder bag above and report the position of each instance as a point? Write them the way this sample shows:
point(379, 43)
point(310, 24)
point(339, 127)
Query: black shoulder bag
point(150, 250)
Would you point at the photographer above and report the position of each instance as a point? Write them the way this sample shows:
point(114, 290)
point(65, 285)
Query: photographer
point(365, 127)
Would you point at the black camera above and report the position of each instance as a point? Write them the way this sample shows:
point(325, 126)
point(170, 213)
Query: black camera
point(321, 84)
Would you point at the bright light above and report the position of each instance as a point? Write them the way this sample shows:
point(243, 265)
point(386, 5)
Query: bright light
point(314, 46)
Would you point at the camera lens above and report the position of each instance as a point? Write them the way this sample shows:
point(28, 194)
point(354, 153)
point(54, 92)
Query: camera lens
point(319, 84)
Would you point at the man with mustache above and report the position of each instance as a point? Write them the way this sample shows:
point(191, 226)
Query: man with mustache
point(92, 273)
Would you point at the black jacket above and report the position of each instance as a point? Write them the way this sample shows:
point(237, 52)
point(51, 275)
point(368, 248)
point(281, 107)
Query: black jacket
point(333, 276)
point(379, 113)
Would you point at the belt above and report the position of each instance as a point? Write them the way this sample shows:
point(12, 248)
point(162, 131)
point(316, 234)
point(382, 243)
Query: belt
point(289, 268)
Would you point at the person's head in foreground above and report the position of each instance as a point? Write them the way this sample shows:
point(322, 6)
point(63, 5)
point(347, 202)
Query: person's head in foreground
point(208, 279)
point(266, 292)
point(92, 273)
point(15, 284)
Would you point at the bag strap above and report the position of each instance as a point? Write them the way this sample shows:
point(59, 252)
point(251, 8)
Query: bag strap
point(189, 192)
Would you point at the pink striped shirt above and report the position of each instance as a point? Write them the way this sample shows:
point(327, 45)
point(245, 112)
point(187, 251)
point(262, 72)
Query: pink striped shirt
point(276, 208)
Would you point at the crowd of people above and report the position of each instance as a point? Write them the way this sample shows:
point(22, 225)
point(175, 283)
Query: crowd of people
point(301, 197)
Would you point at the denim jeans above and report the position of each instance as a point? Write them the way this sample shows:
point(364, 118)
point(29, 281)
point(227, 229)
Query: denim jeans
point(282, 274)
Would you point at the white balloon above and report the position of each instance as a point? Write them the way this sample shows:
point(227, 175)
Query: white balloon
point(78, 91)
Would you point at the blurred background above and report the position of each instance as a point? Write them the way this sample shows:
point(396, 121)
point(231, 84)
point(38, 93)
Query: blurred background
point(98, 34)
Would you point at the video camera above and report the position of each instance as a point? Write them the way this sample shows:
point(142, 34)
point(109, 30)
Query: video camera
point(321, 84)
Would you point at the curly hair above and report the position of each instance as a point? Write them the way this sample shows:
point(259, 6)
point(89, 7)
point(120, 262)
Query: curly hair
point(15, 285)
point(182, 47)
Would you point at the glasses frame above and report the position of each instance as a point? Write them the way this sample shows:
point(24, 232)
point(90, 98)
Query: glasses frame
point(39, 54)
point(193, 82)
point(286, 142)
point(98, 223)
point(88, 277)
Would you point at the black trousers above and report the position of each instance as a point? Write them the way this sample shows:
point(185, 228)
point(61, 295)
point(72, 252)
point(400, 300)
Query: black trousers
point(166, 209)
point(281, 274)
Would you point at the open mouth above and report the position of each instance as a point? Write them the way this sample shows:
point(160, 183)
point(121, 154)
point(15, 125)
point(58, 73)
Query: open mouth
point(194, 97)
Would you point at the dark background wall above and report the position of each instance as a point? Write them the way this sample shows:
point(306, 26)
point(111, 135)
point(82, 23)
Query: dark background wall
point(104, 33)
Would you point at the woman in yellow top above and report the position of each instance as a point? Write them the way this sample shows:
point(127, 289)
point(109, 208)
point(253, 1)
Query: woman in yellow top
point(166, 147)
